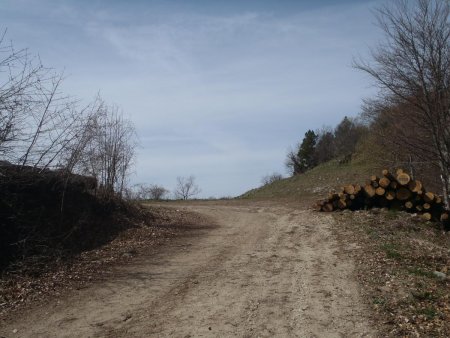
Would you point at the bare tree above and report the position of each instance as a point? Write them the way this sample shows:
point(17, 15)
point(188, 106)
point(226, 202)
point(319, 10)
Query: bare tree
point(186, 188)
point(75, 154)
point(292, 162)
point(43, 128)
point(50, 126)
point(412, 69)
point(37, 122)
point(20, 74)
point(109, 152)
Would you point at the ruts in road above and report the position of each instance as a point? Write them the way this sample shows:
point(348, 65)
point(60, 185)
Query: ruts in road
point(256, 272)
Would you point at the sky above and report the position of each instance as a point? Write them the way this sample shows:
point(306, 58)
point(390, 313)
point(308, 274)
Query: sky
point(216, 89)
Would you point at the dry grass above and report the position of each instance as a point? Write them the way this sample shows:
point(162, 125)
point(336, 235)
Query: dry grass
point(313, 184)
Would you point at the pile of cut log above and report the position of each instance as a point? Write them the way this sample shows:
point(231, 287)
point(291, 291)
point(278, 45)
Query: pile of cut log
point(394, 191)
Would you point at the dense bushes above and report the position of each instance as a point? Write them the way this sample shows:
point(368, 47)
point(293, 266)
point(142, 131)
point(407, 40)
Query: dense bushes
point(51, 214)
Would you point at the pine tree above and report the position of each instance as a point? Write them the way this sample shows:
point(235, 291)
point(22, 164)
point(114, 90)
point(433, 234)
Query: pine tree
point(305, 155)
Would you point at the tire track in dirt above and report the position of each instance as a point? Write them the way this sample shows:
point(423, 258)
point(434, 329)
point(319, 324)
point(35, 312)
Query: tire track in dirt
point(266, 272)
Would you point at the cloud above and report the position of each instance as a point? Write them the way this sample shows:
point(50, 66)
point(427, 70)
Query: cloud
point(220, 96)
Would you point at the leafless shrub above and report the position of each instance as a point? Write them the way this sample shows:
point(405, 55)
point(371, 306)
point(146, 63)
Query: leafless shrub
point(41, 127)
point(292, 162)
point(109, 152)
point(148, 192)
point(157, 192)
point(37, 121)
point(269, 179)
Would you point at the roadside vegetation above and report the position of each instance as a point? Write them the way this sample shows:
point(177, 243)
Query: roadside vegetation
point(403, 266)
point(67, 210)
point(64, 166)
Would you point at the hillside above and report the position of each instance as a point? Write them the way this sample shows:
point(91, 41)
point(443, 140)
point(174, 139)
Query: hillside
point(314, 183)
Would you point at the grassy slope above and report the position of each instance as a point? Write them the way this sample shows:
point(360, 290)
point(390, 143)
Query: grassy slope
point(315, 183)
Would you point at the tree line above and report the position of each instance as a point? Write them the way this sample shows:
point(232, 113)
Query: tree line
point(407, 124)
point(186, 188)
point(323, 145)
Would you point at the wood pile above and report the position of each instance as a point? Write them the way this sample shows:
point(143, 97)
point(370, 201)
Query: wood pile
point(392, 190)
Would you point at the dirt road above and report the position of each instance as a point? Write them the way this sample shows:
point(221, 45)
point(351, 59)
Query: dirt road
point(259, 272)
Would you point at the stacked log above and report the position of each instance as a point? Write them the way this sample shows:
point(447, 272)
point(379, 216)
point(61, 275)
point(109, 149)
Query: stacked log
point(392, 190)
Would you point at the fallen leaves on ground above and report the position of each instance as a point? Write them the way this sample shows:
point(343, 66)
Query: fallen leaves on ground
point(403, 265)
point(29, 282)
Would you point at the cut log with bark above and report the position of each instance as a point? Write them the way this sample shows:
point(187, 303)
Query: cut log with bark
point(415, 186)
point(384, 182)
point(403, 194)
point(409, 205)
point(390, 195)
point(369, 190)
point(380, 191)
point(428, 197)
point(349, 189)
point(403, 178)
point(392, 190)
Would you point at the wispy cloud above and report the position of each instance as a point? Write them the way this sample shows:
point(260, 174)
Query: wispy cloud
point(220, 96)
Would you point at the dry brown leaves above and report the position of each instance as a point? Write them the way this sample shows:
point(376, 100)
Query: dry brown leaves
point(19, 288)
point(396, 260)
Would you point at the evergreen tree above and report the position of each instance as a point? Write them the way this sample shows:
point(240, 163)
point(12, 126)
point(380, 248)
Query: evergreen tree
point(305, 156)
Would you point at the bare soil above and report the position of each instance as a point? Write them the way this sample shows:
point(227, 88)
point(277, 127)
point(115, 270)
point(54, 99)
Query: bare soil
point(248, 270)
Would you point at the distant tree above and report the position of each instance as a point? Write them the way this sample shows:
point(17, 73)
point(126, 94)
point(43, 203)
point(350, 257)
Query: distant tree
point(292, 162)
point(346, 136)
point(186, 188)
point(268, 179)
point(305, 153)
point(325, 146)
point(157, 192)
point(143, 192)
point(304, 159)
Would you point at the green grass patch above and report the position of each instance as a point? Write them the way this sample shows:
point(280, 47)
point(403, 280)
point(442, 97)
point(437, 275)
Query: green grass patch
point(429, 312)
point(372, 233)
point(419, 272)
point(392, 214)
point(424, 295)
point(391, 251)
point(379, 301)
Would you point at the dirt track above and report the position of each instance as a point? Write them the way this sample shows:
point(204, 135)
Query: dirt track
point(256, 272)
